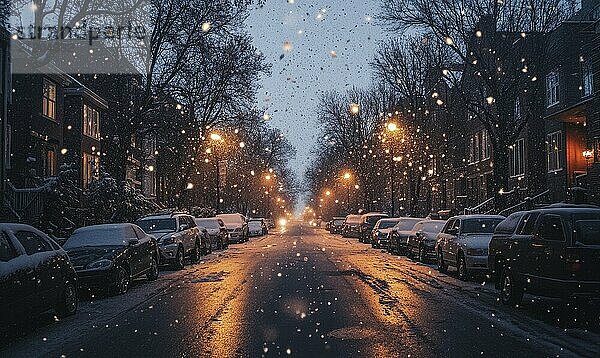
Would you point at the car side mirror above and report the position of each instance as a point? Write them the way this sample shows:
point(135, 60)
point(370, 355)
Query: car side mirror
point(133, 242)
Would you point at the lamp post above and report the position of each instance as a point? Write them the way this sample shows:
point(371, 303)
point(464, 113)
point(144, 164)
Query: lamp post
point(215, 137)
point(392, 128)
point(347, 176)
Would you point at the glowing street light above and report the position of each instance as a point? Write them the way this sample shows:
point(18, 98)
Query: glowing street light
point(354, 108)
point(216, 137)
point(392, 127)
point(328, 193)
point(347, 175)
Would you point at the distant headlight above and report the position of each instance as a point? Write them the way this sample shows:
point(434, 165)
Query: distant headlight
point(167, 240)
point(100, 264)
point(477, 252)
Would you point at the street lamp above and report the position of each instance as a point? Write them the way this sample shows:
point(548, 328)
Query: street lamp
point(392, 128)
point(347, 176)
point(216, 137)
point(354, 108)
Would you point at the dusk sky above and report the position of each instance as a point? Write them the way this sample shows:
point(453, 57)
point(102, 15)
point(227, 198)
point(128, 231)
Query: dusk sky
point(327, 45)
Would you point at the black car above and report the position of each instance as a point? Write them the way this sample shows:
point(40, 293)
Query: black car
point(367, 223)
point(337, 223)
point(36, 275)
point(552, 252)
point(110, 256)
point(421, 241)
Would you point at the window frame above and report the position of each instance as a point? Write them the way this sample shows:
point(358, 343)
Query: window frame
point(517, 165)
point(552, 89)
point(11, 246)
point(48, 100)
point(556, 153)
point(87, 171)
point(541, 223)
point(34, 234)
point(587, 79)
point(91, 127)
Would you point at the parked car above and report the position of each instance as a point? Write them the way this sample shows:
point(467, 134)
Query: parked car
point(367, 223)
point(270, 223)
point(257, 227)
point(552, 252)
point(463, 243)
point(351, 226)
point(110, 256)
point(178, 237)
point(36, 275)
point(398, 235)
point(237, 227)
point(381, 231)
point(421, 241)
point(337, 224)
point(216, 230)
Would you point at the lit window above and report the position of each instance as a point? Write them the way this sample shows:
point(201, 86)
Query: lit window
point(91, 122)
point(89, 168)
point(554, 150)
point(49, 99)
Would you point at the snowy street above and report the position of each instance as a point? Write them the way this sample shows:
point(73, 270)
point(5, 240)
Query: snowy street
point(306, 292)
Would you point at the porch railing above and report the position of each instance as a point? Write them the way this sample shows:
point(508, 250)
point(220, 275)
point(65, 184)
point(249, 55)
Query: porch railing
point(526, 204)
point(485, 207)
point(26, 204)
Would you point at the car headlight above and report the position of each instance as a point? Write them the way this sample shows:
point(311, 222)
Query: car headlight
point(477, 252)
point(100, 264)
point(167, 240)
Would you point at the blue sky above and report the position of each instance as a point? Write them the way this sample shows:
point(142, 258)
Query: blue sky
point(306, 32)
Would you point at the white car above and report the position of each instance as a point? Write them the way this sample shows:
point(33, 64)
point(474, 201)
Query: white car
point(236, 226)
point(463, 243)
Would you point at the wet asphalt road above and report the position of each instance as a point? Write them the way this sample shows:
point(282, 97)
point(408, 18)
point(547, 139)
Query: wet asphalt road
point(307, 293)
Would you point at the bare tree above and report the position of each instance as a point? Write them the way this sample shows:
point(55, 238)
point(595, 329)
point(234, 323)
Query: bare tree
point(501, 46)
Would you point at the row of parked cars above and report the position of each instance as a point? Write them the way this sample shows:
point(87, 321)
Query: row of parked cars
point(39, 273)
point(552, 251)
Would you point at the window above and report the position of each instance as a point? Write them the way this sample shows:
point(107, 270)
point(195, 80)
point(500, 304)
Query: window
point(528, 224)
point(552, 89)
point(588, 79)
point(554, 151)
point(91, 122)
point(509, 224)
point(517, 158)
point(90, 166)
point(486, 145)
point(32, 243)
point(7, 251)
point(50, 163)
point(517, 108)
point(8, 148)
point(449, 225)
point(49, 99)
point(551, 228)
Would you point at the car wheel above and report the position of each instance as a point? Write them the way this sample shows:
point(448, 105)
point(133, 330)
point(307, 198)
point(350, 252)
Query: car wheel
point(68, 301)
point(422, 256)
point(463, 272)
point(123, 281)
point(511, 292)
point(195, 257)
point(441, 265)
point(153, 272)
point(179, 264)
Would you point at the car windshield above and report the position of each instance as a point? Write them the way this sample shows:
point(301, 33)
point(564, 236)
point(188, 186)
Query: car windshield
point(406, 224)
point(480, 225)
point(208, 223)
point(116, 236)
point(387, 224)
point(158, 225)
point(433, 227)
point(254, 224)
point(338, 222)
